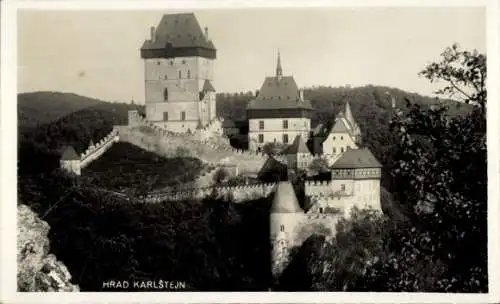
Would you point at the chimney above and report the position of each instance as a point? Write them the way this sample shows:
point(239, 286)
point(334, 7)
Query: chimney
point(153, 34)
point(206, 33)
point(301, 95)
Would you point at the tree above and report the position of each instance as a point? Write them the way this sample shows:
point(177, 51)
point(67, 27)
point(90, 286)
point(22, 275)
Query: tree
point(319, 165)
point(273, 148)
point(440, 173)
point(220, 175)
point(463, 72)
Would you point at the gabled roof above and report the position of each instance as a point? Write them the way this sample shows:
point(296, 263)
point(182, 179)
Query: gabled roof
point(355, 159)
point(181, 30)
point(298, 146)
point(340, 126)
point(272, 164)
point(69, 154)
point(207, 86)
point(279, 93)
point(285, 200)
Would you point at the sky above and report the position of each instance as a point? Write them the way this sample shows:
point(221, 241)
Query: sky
point(96, 53)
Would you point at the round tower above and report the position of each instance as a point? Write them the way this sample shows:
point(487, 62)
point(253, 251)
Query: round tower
point(286, 216)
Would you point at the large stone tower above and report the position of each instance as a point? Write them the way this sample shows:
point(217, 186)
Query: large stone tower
point(178, 62)
point(286, 216)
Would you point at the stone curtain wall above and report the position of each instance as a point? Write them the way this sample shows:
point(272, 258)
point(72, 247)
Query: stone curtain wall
point(211, 150)
point(237, 193)
point(93, 152)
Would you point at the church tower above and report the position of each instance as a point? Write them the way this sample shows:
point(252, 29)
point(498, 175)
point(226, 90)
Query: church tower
point(286, 216)
point(178, 62)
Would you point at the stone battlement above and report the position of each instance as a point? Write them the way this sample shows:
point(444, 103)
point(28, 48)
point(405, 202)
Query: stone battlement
point(238, 193)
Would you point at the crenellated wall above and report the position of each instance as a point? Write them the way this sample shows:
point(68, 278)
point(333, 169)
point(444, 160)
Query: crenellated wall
point(237, 193)
point(92, 153)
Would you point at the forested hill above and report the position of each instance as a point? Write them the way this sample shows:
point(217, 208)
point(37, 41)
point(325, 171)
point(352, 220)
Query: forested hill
point(365, 101)
point(43, 107)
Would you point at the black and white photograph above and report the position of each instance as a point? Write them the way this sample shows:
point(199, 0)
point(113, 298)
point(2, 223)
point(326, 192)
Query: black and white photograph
point(251, 149)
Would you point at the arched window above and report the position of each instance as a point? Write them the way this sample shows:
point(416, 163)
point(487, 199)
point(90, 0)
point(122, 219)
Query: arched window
point(189, 74)
point(165, 94)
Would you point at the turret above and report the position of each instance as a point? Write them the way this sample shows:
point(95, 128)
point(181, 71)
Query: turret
point(286, 217)
point(70, 161)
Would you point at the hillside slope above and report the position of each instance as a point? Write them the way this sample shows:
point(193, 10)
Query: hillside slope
point(43, 107)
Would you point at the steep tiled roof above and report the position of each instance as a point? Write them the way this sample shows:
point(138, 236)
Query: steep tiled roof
point(181, 30)
point(298, 146)
point(356, 158)
point(285, 200)
point(279, 93)
point(340, 126)
point(207, 86)
point(272, 164)
point(69, 154)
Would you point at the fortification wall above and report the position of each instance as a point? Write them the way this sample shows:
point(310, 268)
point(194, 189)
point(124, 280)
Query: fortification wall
point(237, 193)
point(153, 138)
point(93, 152)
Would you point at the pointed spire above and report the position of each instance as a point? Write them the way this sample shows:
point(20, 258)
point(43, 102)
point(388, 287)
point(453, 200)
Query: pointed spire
point(279, 71)
point(348, 113)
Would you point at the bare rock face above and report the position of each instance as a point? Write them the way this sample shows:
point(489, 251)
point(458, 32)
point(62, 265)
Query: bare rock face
point(37, 270)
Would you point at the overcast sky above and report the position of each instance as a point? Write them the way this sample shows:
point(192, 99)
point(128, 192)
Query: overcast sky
point(96, 53)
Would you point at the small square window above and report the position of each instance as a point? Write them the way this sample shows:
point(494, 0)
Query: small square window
point(183, 61)
point(158, 63)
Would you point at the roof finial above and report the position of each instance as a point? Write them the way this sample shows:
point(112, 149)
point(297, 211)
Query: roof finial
point(279, 71)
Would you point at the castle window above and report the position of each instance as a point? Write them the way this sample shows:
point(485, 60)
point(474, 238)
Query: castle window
point(334, 138)
point(334, 150)
point(261, 125)
point(341, 149)
point(320, 210)
point(183, 61)
point(261, 138)
point(180, 74)
point(165, 116)
point(341, 137)
point(165, 94)
point(282, 228)
point(342, 187)
point(171, 62)
point(157, 63)
point(166, 77)
point(183, 115)
point(285, 124)
point(285, 138)
point(189, 74)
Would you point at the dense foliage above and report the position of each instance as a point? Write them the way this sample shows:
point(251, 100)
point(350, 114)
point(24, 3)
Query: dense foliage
point(439, 242)
point(125, 167)
point(102, 237)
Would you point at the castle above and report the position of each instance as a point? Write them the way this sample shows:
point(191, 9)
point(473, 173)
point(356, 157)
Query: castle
point(181, 112)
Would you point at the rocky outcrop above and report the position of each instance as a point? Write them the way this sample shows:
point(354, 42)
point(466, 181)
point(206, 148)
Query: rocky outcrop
point(37, 270)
